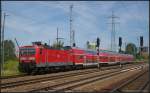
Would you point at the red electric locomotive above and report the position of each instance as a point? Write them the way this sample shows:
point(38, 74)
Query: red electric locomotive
point(43, 57)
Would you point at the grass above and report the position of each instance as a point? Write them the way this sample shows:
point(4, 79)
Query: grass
point(10, 68)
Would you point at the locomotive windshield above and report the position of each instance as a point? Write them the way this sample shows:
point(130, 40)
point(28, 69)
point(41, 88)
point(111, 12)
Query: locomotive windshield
point(27, 51)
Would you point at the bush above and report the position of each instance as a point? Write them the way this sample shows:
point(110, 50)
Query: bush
point(138, 57)
point(10, 68)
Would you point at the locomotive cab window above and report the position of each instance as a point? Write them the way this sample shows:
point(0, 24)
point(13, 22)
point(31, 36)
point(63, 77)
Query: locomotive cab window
point(27, 51)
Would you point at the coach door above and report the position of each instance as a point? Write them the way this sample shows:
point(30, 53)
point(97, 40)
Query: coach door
point(46, 57)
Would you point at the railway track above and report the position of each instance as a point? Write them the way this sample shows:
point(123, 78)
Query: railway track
point(34, 80)
point(69, 86)
point(82, 78)
point(8, 78)
point(57, 77)
point(136, 84)
point(14, 84)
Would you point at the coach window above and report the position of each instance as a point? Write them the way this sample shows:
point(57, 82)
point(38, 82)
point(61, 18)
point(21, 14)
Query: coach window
point(105, 58)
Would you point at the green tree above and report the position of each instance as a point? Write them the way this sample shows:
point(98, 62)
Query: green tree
point(9, 50)
point(131, 49)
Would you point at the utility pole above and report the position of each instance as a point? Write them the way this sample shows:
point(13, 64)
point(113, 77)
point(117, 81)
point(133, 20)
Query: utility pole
point(138, 45)
point(141, 45)
point(18, 47)
point(125, 44)
point(72, 32)
point(2, 42)
point(49, 43)
point(113, 33)
point(120, 43)
point(57, 38)
point(73, 36)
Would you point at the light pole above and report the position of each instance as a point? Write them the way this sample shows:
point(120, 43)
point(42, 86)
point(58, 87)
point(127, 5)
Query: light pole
point(2, 42)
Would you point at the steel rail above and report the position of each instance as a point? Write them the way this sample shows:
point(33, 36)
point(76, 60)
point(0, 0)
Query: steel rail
point(14, 84)
point(95, 78)
point(35, 80)
point(104, 68)
point(143, 87)
point(117, 89)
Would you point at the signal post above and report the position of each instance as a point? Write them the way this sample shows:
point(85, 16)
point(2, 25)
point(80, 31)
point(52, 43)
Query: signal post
point(97, 45)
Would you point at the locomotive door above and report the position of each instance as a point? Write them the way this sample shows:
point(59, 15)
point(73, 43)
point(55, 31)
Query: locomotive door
point(43, 57)
point(40, 55)
point(70, 56)
point(46, 57)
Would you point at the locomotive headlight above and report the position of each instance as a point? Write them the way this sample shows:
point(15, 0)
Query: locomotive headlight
point(31, 58)
point(23, 58)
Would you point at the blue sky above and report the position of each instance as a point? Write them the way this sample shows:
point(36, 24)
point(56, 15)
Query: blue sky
point(30, 21)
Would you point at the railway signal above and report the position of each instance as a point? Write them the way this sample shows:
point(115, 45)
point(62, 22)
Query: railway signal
point(74, 44)
point(120, 43)
point(141, 44)
point(141, 41)
point(98, 42)
point(97, 45)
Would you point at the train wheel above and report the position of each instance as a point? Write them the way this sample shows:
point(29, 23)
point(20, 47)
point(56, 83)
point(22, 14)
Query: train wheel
point(81, 66)
point(62, 68)
point(52, 69)
point(34, 71)
point(67, 68)
point(46, 70)
point(20, 69)
point(28, 72)
point(41, 70)
point(73, 67)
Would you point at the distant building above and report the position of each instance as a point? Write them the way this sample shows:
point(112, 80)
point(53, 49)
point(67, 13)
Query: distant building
point(145, 49)
point(145, 52)
point(92, 45)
